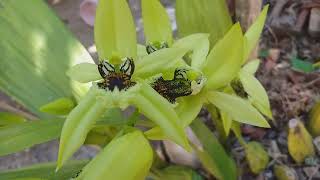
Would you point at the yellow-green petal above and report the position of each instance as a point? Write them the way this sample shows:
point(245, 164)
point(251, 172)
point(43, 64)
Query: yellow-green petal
point(257, 93)
point(238, 109)
point(198, 44)
point(128, 157)
point(253, 34)
point(252, 66)
point(78, 124)
point(156, 22)
point(158, 62)
point(224, 60)
point(160, 111)
point(114, 31)
point(226, 121)
point(84, 72)
point(188, 109)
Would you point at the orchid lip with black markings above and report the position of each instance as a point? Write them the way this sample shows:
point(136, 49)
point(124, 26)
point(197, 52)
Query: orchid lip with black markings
point(113, 79)
point(151, 48)
point(177, 87)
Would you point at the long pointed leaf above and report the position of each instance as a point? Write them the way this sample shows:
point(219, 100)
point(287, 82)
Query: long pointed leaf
point(213, 156)
point(45, 171)
point(14, 138)
point(36, 51)
point(203, 16)
point(114, 31)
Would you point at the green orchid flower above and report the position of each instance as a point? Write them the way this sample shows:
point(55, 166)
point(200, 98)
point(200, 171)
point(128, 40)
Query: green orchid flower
point(216, 70)
point(245, 85)
point(121, 79)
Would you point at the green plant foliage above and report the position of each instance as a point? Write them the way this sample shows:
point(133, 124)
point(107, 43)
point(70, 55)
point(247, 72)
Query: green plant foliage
point(203, 16)
point(61, 106)
point(36, 51)
point(240, 110)
point(17, 137)
point(221, 66)
point(45, 171)
point(114, 31)
point(156, 22)
point(114, 162)
point(212, 154)
point(10, 119)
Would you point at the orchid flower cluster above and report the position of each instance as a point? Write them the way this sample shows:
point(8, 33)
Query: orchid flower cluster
point(166, 80)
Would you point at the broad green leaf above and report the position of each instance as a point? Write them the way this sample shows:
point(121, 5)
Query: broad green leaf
point(257, 93)
point(156, 22)
point(7, 118)
point(203, 16)
point(17, 137)
point(177, 172)
point(84, 72)
point(79, 122)
point(127, 157)
point(224, 61)
point(61, 106)
point(238, 109)
point(253, 34)
point(158, 62)
point(212, 155)
point(198, 44)
point(36, 51)
point(114, 30)
point(252, 66)
point(45, 171)
point(160, 111)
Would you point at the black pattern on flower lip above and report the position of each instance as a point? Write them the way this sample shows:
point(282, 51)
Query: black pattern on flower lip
point(151, 48)
point(113, 79)
point(177, 87)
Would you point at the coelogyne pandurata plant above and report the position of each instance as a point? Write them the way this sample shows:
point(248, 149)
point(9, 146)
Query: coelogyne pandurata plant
point(152, 82)
point(213, 76)
point(121, 79)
